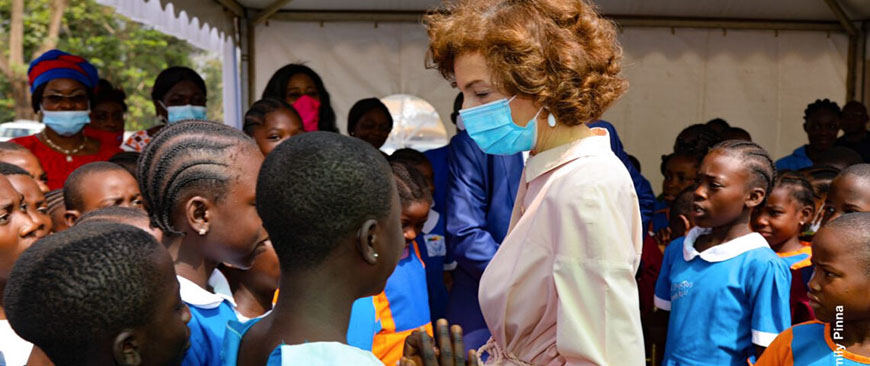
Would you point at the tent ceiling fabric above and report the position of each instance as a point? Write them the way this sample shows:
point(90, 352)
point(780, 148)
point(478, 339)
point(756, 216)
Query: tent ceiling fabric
point(738, 9)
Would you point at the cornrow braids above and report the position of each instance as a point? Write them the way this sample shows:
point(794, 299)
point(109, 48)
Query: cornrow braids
point(799, 188)
point(54, 200)
point(411, 184)
point(256, 115)
point(821, 105)
point(187, 158)
point(754, 158)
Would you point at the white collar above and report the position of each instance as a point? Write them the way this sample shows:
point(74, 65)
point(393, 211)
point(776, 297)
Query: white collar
point(431, 220)
point(197, 296)
point(721, 252)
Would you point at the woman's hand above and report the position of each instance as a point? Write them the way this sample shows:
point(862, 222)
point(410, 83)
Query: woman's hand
point(421, 350)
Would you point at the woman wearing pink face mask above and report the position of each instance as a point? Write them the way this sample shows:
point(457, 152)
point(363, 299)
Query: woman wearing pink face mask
point(302, 88)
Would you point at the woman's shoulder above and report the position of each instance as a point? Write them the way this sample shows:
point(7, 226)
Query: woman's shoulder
point(26, 141)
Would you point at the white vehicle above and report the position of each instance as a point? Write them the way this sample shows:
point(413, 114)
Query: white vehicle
point(11, 130)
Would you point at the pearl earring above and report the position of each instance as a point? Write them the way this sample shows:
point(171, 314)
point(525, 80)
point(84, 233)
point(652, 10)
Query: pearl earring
point(202, 232)
point(375, 255)
point(551, 120)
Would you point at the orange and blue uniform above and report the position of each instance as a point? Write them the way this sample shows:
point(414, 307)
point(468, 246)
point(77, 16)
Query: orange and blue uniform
point(402, 308)
point(809, 344)
point(801, 269)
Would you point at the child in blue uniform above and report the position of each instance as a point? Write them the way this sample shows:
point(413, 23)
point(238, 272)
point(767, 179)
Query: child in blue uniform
point(726, 290)
point(838, 288)
point(338, 237)
point(403, 306)
point(435, 252)
point(198, 180)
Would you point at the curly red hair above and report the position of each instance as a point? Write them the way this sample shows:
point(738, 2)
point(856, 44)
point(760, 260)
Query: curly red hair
point(561, 52)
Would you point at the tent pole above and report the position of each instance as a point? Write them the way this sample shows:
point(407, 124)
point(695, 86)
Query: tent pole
point(269, 11)
point(252, 64)
point(233, 7)
point(842, 17)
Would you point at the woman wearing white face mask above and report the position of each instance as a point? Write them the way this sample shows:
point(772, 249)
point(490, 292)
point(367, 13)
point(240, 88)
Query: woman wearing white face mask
point(560, 290)
point(62, 86)
point(178, 94)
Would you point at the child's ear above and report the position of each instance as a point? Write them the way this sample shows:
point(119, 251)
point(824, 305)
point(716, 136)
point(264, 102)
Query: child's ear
point(806, 216)
point(756, 197)
point(196, 211)
point(687, 223)
point(125, 349)
point(71, 216)
point(365, 241)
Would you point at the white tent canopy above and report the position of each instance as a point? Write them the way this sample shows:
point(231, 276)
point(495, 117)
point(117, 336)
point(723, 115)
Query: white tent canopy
point(755, 63)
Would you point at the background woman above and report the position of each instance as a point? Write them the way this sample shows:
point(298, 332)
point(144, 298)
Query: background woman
point(62, 92)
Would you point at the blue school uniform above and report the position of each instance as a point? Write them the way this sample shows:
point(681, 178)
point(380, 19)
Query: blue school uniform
point(312, 354)
point(809, 344)
point(660, 218)
point(364, 323)
point(437, 254)
point(722, 301)
point(209, 315)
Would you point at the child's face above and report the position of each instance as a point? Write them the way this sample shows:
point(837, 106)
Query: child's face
point(373, 127)
point(848, 194)
point(414, 215)
point(236, 232)
point(723, 190)
point(164, 339)
point(30, 163)
point(839, 278)
point(17, 230)
point(109, 188)
point(278, 126)
point(680, 173)
point(821, 128)
point(35, 200)
point(265, 274)
point(781, 219)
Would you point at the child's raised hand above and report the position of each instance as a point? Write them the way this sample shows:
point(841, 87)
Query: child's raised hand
point(421, 350)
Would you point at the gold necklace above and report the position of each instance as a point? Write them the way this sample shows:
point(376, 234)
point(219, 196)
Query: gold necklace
point(68, 153)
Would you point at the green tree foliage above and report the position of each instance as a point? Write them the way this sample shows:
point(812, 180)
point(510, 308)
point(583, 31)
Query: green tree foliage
point(128, 54)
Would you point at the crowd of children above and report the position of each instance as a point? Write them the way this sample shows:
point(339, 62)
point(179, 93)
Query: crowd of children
point(286, 242)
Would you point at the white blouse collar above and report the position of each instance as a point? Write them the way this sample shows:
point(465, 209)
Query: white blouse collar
point(721, 252)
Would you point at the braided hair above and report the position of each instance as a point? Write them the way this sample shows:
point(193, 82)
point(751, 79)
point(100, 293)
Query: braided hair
point(821, 105)
point(256, 115)
point(411, 184)
point(754, 158)
point(800, 189)
point(187, 158)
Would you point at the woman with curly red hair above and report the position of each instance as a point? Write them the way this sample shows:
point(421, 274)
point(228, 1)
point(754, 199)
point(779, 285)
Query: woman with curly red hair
point(560, 290)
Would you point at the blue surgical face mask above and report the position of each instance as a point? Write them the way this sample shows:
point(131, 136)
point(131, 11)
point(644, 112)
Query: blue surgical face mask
point(493, 129)
point(66, 123)
point(183, 112)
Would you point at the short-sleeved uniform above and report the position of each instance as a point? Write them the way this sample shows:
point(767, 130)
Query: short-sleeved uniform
point(209, 315)
point(722, 301)
point(437, 259)
point(809, 344)
point(402, 307)
point(309, 354)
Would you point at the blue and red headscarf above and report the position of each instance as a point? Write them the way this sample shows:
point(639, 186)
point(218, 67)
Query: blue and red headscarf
point(56, 64)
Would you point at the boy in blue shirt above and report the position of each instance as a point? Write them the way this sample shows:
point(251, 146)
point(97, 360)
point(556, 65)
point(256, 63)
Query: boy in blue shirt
point(837, 291)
